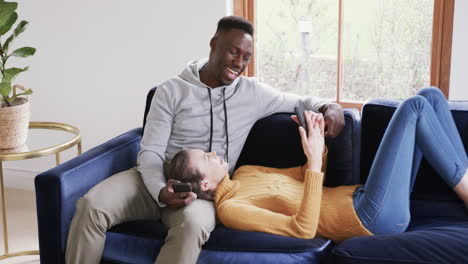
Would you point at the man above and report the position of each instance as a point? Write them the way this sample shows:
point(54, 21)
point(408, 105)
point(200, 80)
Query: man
point(209, 106)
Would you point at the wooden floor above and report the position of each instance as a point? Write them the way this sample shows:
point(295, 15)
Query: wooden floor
point(22, 226)
point(21, 260)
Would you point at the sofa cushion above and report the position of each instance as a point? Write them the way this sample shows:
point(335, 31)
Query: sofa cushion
point(144, 238)
point(127, 248)
point(260, 242)
point(234, 246)
point(429, 239)
point(149, 99)
point(274, 141)
point(375, 117)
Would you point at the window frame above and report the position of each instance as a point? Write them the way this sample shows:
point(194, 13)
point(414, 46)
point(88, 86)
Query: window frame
point(441, 50)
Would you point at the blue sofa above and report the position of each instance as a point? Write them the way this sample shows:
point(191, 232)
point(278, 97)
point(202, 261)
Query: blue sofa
point(436, 234)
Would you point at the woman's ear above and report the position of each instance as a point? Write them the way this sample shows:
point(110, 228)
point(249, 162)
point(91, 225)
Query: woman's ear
point(204, 185)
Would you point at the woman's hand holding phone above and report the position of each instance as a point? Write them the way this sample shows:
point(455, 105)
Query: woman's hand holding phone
point(313, 142)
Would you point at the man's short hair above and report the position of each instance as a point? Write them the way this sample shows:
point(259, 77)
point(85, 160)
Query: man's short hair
point(235, 22)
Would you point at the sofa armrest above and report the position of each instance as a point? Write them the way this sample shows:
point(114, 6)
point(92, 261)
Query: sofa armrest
point(58, 189)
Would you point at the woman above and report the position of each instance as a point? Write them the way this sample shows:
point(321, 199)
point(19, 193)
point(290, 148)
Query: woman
point(293, 202)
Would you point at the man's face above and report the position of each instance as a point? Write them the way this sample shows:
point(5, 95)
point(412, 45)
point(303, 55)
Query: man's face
point(230, 54)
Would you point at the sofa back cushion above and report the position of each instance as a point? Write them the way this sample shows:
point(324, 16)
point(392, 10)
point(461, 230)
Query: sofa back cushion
point(274, 141)
point(149, 98)
point(376, 115)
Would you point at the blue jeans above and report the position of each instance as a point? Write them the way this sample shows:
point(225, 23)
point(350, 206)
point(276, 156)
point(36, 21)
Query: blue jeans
point(421, 125)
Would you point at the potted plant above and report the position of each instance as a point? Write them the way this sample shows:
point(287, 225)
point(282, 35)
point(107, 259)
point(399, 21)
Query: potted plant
point(14, 107)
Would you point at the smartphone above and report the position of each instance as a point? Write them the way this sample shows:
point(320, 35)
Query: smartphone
point(179, 187)
point(299, 110)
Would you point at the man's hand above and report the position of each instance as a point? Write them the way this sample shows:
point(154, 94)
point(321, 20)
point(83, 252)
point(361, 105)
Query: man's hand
point(334, 119)
point(175, 200)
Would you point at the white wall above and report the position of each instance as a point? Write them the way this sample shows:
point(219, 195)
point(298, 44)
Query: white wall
point(96, 60)
point(459, 66)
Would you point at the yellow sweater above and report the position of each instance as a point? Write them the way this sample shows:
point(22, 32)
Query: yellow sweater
point(289, 202)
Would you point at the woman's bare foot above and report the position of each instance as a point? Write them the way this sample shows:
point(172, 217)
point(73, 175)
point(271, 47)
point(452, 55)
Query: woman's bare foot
point(462, 188)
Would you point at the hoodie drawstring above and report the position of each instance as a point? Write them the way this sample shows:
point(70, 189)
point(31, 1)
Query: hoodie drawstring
point(211, 120)
point(225, 122)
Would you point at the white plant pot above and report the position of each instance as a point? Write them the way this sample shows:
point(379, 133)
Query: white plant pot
point(14, 123)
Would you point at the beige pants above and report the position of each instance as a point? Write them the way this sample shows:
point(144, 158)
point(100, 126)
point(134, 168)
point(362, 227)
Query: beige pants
point(123, 197)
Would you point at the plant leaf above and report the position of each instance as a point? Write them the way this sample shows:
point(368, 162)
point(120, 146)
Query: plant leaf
point(20, 28)
point(23, 52)
point(5, 89)
point(28, 92)
point(5, 28)
point(7, 43)
point(6, 10)
point(11, 73)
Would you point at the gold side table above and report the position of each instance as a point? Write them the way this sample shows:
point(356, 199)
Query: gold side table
point(47, 141)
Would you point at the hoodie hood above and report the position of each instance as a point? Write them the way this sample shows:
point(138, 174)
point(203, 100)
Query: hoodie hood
point(191, 73)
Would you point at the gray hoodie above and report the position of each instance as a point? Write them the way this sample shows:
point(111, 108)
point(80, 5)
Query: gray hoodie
point(182, 117)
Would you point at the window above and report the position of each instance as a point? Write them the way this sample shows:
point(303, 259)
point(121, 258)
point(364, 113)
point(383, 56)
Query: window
point(351, 50)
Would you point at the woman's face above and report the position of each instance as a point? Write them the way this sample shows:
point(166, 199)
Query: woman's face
point(212, 167)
